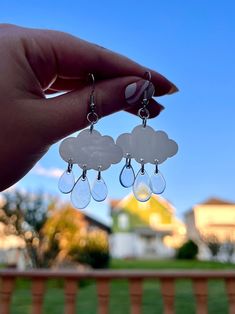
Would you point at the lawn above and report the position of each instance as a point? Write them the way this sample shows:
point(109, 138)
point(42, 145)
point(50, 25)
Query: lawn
point(119, 301)
point(169, 264)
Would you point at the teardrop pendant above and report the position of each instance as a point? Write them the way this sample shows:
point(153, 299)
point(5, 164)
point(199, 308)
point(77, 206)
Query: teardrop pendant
point(127, 176)
point(81, 193)
point(99, 189)
point(142, 186)
point(66, 182)
point(158, 183)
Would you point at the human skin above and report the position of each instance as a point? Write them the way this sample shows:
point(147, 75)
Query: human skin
point(34, 63)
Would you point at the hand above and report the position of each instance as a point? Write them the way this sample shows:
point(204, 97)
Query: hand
point(39, 62)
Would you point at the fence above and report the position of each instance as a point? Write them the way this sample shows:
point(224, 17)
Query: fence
point(103, 278)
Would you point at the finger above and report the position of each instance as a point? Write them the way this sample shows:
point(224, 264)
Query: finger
point(67, 85)
point(53, 54)
point(63, 85)
point(67, 113)
point(50, 91)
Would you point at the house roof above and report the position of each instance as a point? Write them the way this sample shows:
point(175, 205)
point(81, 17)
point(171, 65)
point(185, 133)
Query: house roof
point(210, 201)
point(116, 204)
point(216, 201)
point(89, 217)
point(97, 222)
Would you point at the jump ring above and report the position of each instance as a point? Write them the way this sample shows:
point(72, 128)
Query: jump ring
point(70, 166)
point(92, 117)
point(143, 113)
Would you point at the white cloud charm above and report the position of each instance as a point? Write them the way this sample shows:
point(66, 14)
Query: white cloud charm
point(91, 150)
point(147, 145)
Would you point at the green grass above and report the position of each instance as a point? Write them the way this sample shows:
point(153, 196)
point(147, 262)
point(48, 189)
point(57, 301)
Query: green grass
point(169, 264)
point(119, 300)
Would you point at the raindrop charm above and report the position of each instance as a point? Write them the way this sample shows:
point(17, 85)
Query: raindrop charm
point(81, 193)
point(99, 189)
point(67, 180)
point(127, 175)
point(142, 186)
point(158, 183)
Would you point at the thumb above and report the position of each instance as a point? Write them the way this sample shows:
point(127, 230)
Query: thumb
point(67, 113)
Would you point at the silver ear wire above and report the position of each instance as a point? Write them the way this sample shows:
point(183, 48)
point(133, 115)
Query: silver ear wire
point(148, 75)
point(92, 116)
point(92, 78)
point(143, 112)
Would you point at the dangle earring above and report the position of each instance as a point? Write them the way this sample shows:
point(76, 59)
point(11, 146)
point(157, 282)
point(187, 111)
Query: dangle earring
point(145, 145)
point(89, 150)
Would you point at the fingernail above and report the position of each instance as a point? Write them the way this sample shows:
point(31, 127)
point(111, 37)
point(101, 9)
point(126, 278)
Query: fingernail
point(135, 90)
point(173, 90)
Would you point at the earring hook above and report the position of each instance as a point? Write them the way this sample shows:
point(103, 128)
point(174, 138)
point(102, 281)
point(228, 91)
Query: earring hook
point(143, 112)
point(92, 100)
point(92, 116)
point(92, 78)
point(148, 75)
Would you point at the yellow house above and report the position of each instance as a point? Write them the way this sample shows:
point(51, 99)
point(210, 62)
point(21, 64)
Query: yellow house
point(147, 229)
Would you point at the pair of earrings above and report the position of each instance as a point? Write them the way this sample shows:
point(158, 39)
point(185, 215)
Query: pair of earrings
point(91, 150)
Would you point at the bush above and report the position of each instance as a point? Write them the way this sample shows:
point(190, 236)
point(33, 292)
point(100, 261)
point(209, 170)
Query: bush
point(92, 250)
point(95, 258)
point(188, 250)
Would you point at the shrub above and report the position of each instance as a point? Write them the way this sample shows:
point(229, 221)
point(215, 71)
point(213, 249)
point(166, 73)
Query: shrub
point(92, 250)
point(95, 258)
point(188, 250)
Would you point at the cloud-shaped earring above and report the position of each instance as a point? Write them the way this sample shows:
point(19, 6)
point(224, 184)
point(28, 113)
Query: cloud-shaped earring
point(145, 145)
point(89, 150)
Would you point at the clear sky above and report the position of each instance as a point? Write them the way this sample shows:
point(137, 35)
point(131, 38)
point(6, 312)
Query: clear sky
point(193, 44)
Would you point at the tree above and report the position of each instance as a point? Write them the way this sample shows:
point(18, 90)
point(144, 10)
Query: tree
point(229, 248)
point(53, 232)
point(213, 244)
point(68, 231)
point(63, 227)
point(24, 215)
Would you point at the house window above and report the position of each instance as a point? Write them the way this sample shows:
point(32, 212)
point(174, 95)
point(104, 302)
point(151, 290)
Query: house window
point(123, 221)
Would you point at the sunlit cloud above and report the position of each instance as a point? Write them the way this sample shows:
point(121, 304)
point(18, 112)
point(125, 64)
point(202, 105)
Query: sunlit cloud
point(47, 172)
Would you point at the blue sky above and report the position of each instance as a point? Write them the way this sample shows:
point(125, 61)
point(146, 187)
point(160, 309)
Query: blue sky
point(192, 43)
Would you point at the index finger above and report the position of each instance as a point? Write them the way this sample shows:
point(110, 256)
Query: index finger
point(54, 54)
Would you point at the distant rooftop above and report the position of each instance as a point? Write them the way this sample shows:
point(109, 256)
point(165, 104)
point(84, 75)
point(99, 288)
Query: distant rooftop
point(216, 201)
point(130, 200)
